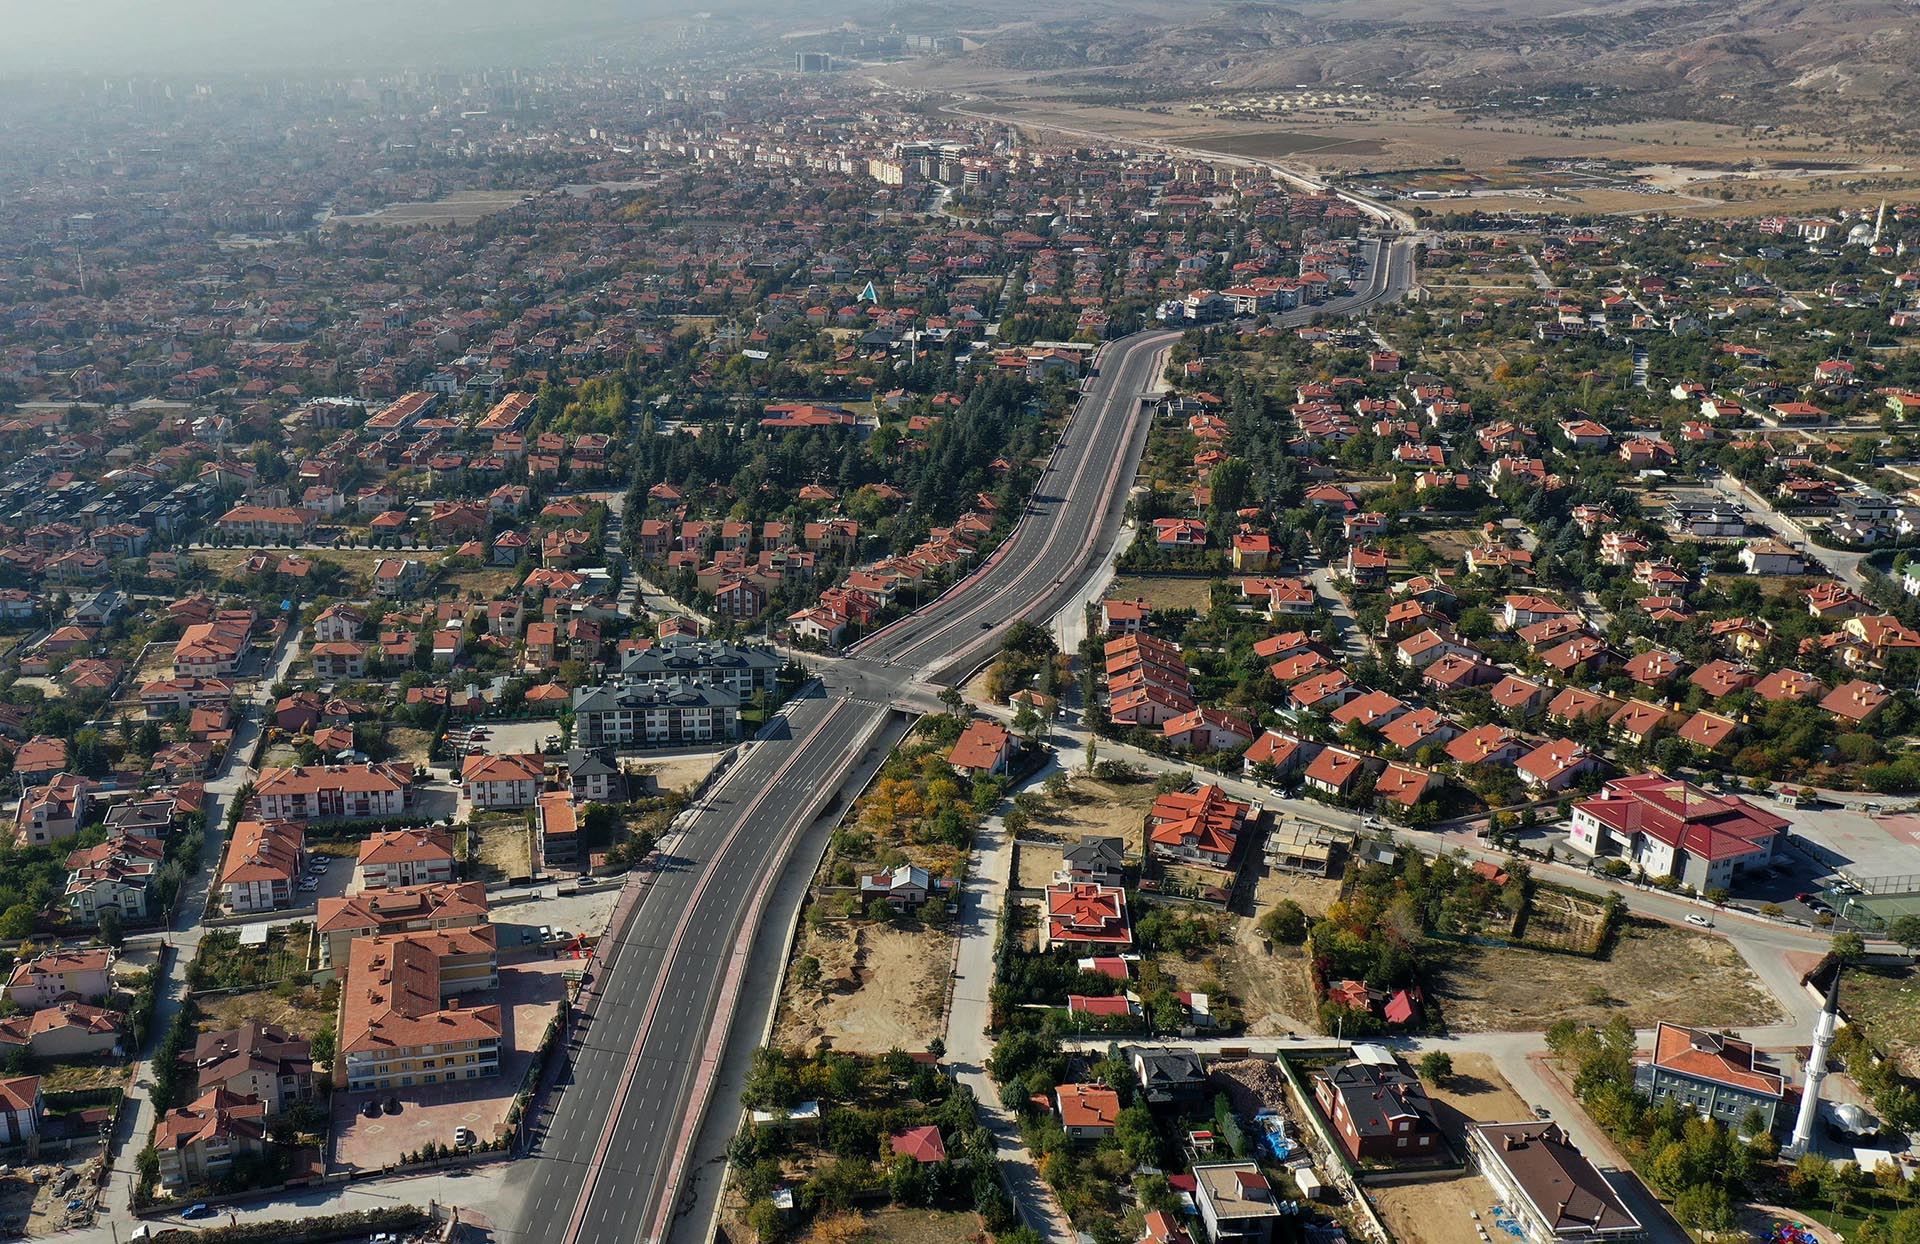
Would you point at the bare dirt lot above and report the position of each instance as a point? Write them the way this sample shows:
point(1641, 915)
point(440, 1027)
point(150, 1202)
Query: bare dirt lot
point(1654, 972)
point(680, 772)
point(1098, 808)
point(1439, 1211)
point(919, 1226)
point(409, 744)
point(1271, 983)
point(891, 1225)
point(505, 848)
point(1274, 989)
point(1164, 593)
point(1476, 1092)
point(1314, 894)
point(299, 1010)
point(1037, 866)
point(893, 995)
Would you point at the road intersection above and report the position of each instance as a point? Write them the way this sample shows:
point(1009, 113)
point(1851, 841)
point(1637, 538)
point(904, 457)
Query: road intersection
point(679, 998)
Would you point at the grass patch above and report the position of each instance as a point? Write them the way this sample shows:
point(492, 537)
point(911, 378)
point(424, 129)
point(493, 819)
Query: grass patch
point(1885, 1001)
point(223, 963)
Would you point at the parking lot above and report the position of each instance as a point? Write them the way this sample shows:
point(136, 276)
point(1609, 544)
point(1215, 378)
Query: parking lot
point(586, 914)
point(501, 738)
point(532, 987)
point(331, 881)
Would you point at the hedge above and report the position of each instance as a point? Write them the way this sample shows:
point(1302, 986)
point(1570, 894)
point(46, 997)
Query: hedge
point(401, 1219)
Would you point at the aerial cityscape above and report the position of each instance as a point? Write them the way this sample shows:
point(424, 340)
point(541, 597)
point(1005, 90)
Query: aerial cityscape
point(870, 623)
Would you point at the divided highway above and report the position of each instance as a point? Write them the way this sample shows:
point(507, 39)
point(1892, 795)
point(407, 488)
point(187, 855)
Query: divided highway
point(688, 973)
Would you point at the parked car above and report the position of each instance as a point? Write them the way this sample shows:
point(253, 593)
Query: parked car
point(321, 863)
point(546, 932)
point(464, 1138)
point(199, 1209)
point(1694, 917)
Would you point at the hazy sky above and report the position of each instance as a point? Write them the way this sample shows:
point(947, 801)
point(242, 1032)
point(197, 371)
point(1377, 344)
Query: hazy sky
point(165, 37)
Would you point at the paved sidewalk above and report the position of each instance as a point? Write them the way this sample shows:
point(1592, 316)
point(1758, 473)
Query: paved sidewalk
point(968, 1045)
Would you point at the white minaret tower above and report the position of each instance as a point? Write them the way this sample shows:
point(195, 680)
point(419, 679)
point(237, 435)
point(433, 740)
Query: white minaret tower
point(1879, 222)
point(1816, 1070)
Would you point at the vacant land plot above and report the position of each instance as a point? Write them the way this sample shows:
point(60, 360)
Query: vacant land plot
point(462, 207)
point(1439, 1211)
point(102, 1072)
point(1274, 987)
point(1164, 593)
point(1476, 1092)
point(303, 1009)
point(1564, 921)
point(409, 745)
point(881, 988)
point(504, 847)
point(888, 1225)
point(225, 963)
point(1451, 546)
point(1886, 1001)
point(681, 772)
point(1314, 894)
point(1098, 808)
point(919, 1226)
point(486, 583)
point(1654, 972)
point(1037, 866)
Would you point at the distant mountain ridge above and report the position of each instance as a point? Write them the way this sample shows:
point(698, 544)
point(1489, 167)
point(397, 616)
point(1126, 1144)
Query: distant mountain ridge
point(1849, 65)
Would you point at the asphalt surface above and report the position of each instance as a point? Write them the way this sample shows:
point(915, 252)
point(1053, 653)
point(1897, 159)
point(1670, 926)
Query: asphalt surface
point(684, 984)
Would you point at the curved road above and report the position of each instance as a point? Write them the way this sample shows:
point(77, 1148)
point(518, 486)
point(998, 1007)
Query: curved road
point(687, 979)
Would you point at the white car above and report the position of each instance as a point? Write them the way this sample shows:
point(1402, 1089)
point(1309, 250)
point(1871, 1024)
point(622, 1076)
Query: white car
point(320, 863)
point(309, 885)
point(1697, 918)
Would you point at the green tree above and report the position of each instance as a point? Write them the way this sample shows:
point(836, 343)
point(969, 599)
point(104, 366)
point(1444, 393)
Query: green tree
point(1905, 930)
point(111, 931)
point(1285, 922)
point(1436, 1066)
point(17, 921)
point(1848, 948)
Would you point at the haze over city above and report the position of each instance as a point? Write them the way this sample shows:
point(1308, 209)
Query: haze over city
point(913, 624)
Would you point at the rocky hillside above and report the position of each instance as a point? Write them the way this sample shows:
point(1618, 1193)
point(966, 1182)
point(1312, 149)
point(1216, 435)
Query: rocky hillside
point(1835, 64)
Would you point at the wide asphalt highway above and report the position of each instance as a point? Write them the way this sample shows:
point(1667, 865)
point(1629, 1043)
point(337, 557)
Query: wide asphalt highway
point(687, 975)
